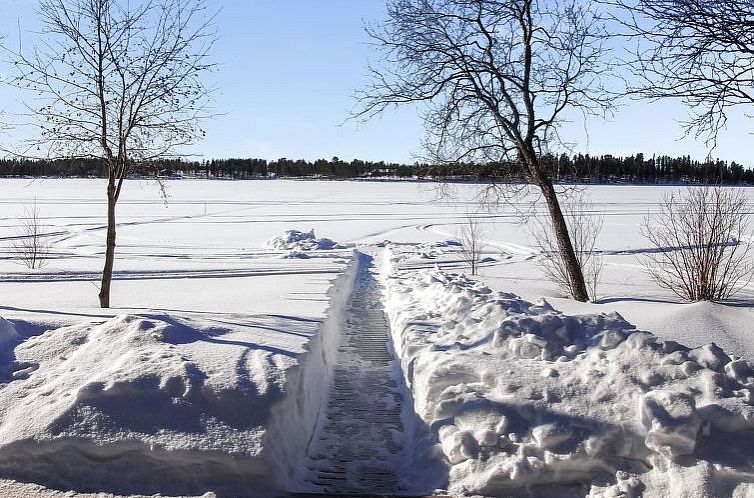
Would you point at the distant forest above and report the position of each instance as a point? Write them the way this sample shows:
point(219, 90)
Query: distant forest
point(580, 168)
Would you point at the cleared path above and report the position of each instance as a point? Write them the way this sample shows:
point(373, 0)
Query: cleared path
point(357, 448)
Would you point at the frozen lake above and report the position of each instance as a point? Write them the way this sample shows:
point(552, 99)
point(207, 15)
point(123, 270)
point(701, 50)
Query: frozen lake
point(204, 249)
point(223, 347)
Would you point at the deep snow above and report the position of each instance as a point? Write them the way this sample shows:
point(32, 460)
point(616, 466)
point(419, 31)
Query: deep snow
point(150, 403)
point(227, 300)
point(524, 399)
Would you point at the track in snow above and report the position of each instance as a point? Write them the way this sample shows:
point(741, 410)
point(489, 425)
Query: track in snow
point(357, 445)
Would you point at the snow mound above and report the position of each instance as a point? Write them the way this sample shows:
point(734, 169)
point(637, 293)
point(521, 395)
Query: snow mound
point(695, 323)
point(169, 405)
point(122, 395)
point(296, 242)
point(525, 399)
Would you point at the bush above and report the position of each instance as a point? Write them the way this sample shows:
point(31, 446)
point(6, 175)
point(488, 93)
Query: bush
point(471, 237)
point(698, 249)
point(31, 246)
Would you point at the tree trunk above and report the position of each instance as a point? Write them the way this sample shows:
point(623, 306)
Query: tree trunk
point(107, 271)
point(573, 268)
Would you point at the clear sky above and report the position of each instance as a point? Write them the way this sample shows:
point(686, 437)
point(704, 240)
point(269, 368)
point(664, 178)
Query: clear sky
point(287, 75)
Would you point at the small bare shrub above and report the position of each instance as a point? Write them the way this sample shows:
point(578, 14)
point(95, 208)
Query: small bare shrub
point(31, 246)
point(471, 237)
point(699, 254)
point(584, 225)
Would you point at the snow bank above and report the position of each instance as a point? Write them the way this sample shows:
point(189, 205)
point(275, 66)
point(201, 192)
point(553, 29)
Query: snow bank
point(116, 407)
point(524, 398)
point(298, 242)
point(150, 405)
point(293, 421)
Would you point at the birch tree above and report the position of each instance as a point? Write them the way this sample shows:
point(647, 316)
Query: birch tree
point(121, 81)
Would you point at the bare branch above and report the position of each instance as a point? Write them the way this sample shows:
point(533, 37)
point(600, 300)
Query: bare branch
point(496, 78)
point(698, 51)
point(119, 80)
point(701, 241)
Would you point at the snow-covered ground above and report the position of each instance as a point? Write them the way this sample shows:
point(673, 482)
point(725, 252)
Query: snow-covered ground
point(213, 370)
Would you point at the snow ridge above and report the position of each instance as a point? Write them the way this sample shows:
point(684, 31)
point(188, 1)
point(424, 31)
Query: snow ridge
point(293, 421)
point(526, 400)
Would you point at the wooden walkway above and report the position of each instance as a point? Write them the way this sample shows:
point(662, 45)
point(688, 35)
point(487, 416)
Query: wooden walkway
point(357, 448)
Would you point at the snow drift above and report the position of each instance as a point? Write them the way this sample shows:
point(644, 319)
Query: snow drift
point(118, 400)
point(524, 399)
point(151, 404)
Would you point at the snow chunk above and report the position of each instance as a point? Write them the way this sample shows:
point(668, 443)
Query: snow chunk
point(709, 356)
point(626, 486)
point(296, 241)
point(739, 369)
point(671, 421)
point(549, 435)
point(431, 250)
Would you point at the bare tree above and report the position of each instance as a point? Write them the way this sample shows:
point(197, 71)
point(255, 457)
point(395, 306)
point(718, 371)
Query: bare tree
point(584, 225)
point(700, 254)
point(499, 77)
point(31, 245)
point(698, 51)
point(471, 237)
point(118, 80)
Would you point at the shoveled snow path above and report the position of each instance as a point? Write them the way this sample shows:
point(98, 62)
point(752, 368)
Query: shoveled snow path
point(357, 446)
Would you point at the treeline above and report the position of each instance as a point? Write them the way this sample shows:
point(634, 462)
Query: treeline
point(580, 168)
point(638, 169)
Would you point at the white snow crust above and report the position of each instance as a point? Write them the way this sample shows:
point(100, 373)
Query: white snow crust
point(525, 400)
point(262, 322)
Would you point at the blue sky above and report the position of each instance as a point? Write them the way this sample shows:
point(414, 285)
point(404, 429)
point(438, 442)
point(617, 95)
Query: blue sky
point(288, 71)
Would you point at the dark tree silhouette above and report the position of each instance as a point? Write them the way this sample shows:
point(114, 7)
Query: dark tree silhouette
point(120, 81)
point(500, 75)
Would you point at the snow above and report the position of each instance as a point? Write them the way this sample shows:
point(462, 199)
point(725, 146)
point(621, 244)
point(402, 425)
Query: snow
point(212, 371)
point(523, 398)
point(295, 240)
point(166, 405)
point(8, 334)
